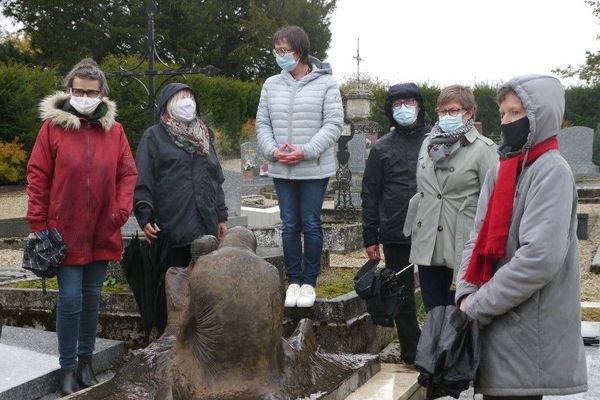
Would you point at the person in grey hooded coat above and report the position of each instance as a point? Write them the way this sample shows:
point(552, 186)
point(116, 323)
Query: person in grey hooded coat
point(519, 275)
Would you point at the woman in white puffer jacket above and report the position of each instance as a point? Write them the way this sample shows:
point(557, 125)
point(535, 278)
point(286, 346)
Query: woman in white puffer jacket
point(299, 119)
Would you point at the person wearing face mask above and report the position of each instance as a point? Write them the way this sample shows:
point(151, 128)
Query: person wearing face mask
point(298, 121)
point(80, 180)
point(451, 168)
point(389, 180)
point(519, 275)
point(179, 190)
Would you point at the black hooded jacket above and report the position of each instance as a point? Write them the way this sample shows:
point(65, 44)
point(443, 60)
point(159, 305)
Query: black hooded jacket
point(390, 180)
point(181, 192)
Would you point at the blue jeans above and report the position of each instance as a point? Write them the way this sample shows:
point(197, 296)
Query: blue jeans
point(79, 289)
point(300, 203)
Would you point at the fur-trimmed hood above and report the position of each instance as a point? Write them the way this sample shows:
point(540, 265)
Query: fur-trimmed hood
point(51, 108)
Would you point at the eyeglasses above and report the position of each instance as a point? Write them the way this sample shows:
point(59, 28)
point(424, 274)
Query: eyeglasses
point(401, 102)
point(281, 52)
point(82, 92)
point(453, 112)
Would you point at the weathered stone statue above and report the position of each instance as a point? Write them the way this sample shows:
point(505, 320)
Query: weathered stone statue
point(223, 338)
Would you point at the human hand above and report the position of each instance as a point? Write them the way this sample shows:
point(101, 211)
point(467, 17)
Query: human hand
point(31, 235)
point(280, 152)
point(221, 229)
point(292, 154)
point(463, 304)
point(373, 252)
point(151, 232)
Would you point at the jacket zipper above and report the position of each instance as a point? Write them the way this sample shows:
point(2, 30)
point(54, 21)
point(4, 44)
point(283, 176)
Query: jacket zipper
point(88, 175)
point(290, 113)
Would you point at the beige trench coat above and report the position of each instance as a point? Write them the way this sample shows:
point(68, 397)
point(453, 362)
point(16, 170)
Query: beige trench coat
point(441, 213)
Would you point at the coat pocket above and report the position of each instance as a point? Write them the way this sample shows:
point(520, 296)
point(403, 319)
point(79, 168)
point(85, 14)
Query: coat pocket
point(411, 214)
point(464, 225)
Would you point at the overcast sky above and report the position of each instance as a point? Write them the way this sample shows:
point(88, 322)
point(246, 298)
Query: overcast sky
point(460, 41)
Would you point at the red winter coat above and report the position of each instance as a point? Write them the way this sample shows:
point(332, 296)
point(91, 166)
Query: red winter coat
point(80, 180)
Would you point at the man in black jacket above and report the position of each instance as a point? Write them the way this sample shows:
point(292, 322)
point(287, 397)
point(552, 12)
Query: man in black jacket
point(388, 184)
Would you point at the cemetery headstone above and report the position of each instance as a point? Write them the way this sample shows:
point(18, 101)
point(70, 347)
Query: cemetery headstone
point(576, 145)
point(252, 162)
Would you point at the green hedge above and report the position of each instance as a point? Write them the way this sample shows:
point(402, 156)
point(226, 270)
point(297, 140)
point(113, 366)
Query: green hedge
point(229, 105)
point(21, 89)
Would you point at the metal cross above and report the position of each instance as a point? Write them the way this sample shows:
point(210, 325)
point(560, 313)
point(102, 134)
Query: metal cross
point(151, 55)
point(358, 60)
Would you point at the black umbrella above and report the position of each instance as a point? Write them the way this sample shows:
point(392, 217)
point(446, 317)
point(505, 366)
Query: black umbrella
point(145, 266)
point(382, 291)
point(448, 352)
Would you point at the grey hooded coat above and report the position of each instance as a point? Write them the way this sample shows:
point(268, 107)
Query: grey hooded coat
point(307, 113)
point(530, 309)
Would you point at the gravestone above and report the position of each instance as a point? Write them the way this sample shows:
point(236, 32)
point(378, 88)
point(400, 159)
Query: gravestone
point(576, 145)
point(250, 155)
point(357, 146)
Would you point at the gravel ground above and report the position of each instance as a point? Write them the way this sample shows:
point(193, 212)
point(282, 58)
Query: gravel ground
point(14, 205)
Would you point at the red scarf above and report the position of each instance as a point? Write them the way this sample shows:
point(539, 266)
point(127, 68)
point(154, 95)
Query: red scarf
point(491, 241)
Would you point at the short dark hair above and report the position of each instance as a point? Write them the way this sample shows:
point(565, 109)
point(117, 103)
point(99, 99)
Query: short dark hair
point(503, 92)
point(297, 39)
point(87, 69)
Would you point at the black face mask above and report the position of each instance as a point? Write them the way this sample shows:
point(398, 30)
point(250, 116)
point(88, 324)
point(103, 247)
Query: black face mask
point(514, 135)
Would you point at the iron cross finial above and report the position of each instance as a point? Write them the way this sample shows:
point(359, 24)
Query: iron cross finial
point(358, 60)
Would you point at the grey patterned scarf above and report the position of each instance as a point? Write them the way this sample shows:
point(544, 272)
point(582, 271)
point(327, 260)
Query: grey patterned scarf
point(192, 137)
point(441, 143)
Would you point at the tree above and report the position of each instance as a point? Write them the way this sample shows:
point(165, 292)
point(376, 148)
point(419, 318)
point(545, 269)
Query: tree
point(590, 71)
point(233, 35)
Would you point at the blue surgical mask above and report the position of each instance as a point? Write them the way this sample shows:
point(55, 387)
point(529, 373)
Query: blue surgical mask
point(405, 115)
point(287, 61)
point(448, 123)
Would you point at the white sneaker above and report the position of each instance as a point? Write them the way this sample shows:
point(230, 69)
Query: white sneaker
point(291, 295)
point(307, 296)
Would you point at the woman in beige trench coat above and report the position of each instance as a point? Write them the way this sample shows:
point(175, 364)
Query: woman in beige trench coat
point(452, 165)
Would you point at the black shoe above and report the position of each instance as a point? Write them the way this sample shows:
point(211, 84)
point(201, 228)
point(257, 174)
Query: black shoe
point(85, 373)
point(68, 383)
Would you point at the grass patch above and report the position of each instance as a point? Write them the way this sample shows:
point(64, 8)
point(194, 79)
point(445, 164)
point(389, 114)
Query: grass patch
point(335, 282)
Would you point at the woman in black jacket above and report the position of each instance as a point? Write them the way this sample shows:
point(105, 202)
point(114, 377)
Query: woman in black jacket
point(389, 181)
point(179, 188)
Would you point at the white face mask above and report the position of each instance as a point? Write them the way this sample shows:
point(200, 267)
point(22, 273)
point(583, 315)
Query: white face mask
point(85, 105)
point(186, 110)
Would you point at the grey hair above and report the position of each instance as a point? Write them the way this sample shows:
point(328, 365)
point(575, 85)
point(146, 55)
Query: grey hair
point(174, 101)
point(87, 69)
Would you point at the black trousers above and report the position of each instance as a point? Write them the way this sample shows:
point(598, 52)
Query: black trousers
point(396, 258)
point(435, 284)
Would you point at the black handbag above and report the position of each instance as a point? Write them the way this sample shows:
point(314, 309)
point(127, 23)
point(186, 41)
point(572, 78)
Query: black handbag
point(382, 291)
point(43, 254)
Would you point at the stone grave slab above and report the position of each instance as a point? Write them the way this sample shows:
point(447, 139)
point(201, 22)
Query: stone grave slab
point(29, 362)
point(576, 145)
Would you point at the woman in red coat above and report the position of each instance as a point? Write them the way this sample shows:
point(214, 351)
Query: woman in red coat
point(80, 180)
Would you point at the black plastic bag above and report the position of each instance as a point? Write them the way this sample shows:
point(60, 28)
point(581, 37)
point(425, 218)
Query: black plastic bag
point(448, 352)
point(381, 290)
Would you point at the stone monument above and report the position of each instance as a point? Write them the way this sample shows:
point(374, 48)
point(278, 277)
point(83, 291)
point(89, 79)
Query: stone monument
point(223, 337)
point(576, 146)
